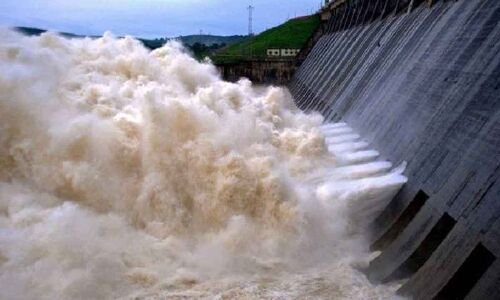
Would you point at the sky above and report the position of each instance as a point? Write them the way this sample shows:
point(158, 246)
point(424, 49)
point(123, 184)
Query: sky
point(152, 18)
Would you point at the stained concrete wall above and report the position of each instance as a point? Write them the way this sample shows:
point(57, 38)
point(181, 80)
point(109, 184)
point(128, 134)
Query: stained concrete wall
point(270, 71)
point(423, 87)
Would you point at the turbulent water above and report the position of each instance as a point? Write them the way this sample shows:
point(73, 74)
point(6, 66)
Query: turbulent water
point(126, 173)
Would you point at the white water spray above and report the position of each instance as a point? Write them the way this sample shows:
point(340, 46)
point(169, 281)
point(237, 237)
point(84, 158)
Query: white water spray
point(126, 174)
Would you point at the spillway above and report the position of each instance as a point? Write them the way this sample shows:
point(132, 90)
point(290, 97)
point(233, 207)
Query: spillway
point(134, 174)
point(420, 81)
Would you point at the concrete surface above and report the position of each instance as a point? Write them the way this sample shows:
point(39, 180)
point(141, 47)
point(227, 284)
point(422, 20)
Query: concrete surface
point(421, 80)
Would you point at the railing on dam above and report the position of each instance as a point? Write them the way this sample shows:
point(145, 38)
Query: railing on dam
point(344, 14)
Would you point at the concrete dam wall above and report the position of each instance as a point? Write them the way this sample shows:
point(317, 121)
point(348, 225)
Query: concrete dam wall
point(269, 71)
point(421, 81)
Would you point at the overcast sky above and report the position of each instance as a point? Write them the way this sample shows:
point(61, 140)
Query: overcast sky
point(151, 18)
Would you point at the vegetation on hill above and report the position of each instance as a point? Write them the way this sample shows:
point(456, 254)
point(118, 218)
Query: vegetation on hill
point(37, 31)
point(201, 46)
point(30, 31)
point(153, 44)
point(229, 49)
point(200, 51)
point(210, 40)
point(293, 34)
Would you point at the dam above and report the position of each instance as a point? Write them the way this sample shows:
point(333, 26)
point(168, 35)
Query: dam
point(135, 173)
point(420, 80)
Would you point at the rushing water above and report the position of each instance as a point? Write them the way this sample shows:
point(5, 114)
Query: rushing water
point(126, 174)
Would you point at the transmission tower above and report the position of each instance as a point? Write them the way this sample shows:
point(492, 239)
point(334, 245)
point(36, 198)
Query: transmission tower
point(250, 19)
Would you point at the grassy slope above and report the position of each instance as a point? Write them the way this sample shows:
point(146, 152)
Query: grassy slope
point(292, 34)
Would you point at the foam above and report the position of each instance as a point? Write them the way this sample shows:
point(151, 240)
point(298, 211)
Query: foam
point(127, 173)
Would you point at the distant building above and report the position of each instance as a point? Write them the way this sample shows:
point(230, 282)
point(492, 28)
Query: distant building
point(282, 52)
point(273, 52)
point(289, 52)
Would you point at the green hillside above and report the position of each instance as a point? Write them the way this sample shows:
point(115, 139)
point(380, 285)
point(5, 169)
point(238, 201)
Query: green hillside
point(30, 31)
point(292, 34)
point(200, 46)
point(192, 40)
point(210, 40)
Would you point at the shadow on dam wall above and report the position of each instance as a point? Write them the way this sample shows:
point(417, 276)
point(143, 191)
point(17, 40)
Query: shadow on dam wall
point(421, 80)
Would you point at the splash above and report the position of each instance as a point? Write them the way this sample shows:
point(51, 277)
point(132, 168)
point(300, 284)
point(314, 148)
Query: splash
point(126, 173)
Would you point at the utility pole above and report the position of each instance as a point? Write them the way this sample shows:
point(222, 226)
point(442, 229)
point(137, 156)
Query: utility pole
point(250, 20)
